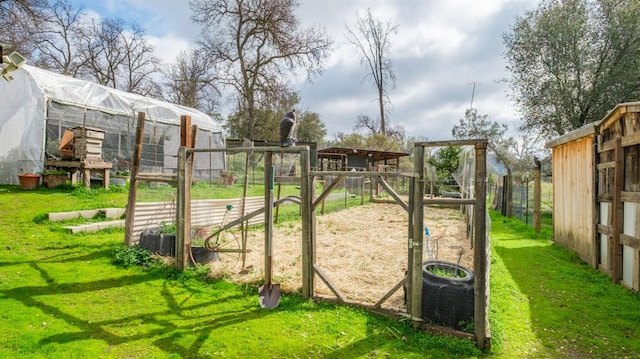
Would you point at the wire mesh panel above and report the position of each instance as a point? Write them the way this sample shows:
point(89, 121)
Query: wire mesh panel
point(160, 143)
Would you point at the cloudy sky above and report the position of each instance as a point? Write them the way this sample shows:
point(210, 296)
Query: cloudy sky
point(440, 50)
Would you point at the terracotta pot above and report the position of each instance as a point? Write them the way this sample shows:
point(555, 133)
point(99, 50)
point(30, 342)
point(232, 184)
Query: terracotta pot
point(29, 180)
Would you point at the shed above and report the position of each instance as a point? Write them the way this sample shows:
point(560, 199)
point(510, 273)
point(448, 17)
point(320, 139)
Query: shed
point(346, 159)
point(596, 193)
point(37, 106)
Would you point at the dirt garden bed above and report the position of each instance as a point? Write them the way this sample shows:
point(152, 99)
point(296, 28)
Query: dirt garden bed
point(363, 250)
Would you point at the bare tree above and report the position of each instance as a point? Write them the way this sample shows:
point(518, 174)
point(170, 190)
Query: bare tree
point(140, 64)
point(372, 38)
point(57, 39)
point(259, 46)
point(100, 50)
point(119, 57)
point(373, 126)
point(191, 81)
point(18, 20)
point(367, 123)
point(15, 9)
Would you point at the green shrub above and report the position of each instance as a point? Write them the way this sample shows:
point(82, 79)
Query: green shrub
point(167, 228)
point(132, 256)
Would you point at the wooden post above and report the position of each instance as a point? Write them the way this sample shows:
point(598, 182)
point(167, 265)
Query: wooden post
point(183, 197)
point(481, 250)
point(183, 235)
point(180, 207)
point(595, 203)
point(618, 212)
point(185, 130)
point(410, 248)
point(415, 242)
point(509, 195)
point(537, 200)
point(268, 215)
point(133, 182)
point(192, 144)
point(308, 225)
point(362, 191)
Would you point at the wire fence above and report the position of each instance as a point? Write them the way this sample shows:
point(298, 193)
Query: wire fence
point(522, 196)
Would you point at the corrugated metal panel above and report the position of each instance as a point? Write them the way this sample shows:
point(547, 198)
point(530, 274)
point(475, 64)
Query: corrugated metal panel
point(205, 212)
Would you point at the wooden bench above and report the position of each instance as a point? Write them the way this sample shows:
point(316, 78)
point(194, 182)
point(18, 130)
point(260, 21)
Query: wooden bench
point(85, 167)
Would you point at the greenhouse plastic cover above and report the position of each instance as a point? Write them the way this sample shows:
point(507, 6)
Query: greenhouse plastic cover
point(25, 102)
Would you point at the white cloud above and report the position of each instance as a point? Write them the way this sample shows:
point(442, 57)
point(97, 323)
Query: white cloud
point(168, 47)
point(440, 48)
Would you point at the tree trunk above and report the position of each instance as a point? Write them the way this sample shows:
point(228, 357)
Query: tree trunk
point(537, 189)
point(383, 128)
point(509, 201)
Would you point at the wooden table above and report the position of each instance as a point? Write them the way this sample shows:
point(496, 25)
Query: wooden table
point(85, 167)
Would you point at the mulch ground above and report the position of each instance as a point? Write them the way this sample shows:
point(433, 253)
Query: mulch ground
point(363, 250)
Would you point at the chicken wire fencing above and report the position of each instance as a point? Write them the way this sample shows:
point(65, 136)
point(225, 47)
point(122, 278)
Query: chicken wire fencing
point(159, 147)
point(449, 172)
point(522, 202)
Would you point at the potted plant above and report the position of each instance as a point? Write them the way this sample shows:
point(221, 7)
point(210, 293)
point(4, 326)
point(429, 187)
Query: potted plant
point(162, 241)
point(54, 178)
point(447, 294)
point(28, 180)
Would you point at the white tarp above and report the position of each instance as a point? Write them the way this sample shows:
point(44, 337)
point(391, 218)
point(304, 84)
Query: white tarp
point(36, 97)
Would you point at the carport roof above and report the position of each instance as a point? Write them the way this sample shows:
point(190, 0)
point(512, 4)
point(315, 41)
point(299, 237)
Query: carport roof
point(375, 155)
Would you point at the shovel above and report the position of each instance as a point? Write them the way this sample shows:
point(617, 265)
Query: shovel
point(268, 293)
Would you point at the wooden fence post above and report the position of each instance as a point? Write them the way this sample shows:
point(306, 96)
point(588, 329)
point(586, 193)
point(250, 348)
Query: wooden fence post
point(537, 200)
point(481, 251)
point(308, 225)
point(133, 181)
point(183, 197)
point(416, 240)
point(618, 211)
point(183, 230)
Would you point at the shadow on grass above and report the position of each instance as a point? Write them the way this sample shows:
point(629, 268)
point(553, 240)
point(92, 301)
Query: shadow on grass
point(575, 310)
point(62, 254)
point(358, 349)
point(46, 297)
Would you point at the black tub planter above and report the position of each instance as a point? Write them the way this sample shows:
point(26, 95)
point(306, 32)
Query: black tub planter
point(165, 245)
point(202, 255)
point(159, 243)
point(447, 295)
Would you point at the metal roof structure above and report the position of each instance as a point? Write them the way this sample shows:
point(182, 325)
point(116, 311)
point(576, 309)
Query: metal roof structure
point(356, 152)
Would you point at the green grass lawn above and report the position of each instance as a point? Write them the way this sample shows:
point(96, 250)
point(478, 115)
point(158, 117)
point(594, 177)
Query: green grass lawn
point(63, 297)
point(546, 302)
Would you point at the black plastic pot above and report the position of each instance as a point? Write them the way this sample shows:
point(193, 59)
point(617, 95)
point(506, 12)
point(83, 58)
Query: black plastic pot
point(447, 301)
point(160, 244)
point(165, 245)
point(202, 255)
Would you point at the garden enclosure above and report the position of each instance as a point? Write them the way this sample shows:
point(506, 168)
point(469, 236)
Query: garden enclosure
point(414, 208)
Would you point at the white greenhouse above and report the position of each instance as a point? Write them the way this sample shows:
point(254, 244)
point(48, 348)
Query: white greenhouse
point(37, 106)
